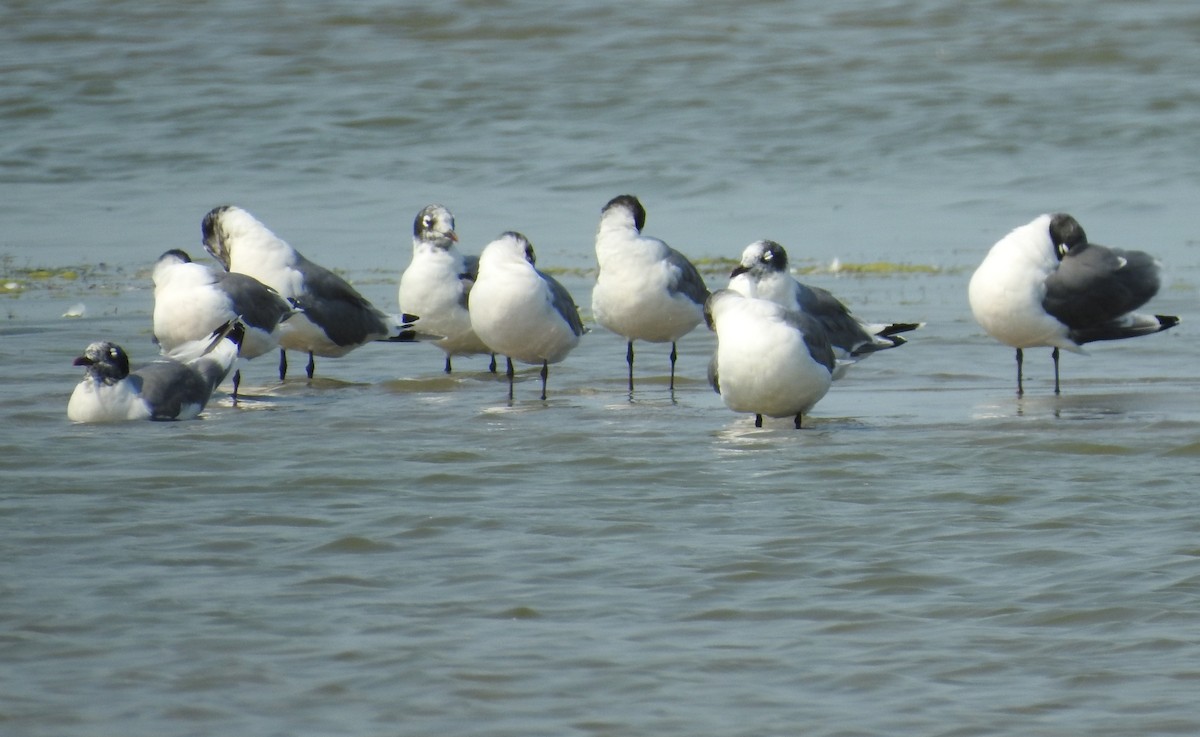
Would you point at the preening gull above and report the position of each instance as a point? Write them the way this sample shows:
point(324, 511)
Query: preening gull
point(335, 318)
point(1044, 284)
point(645, 289)
point(520, 312)
point(192, 300)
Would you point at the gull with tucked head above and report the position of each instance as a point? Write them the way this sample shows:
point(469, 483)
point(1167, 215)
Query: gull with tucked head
point(769, 360)
point(645, 289)
point(1045, 284)
point(520, 312)
point(192, 300)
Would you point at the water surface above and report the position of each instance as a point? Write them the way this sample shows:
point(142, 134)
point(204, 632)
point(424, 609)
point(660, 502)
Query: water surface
point(388, 550)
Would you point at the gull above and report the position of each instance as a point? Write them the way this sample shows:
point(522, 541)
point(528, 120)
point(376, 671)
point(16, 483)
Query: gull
point(763, 272)
point(436, 284)
point(769, 360)
point(520, 312)
point(171, 387)
point(645, 290)
point(192, 300)
point(1044, 284)
point(334, 319)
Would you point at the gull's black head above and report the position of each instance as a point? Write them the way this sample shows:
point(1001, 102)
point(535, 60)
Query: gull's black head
point(175, 255)
point(760, 257)
point(520, 242)
point(1067, 234)
point(105, 361)
point(214, 235)
point(209, 227)
point(165, 264)
point(435, 225)
point(632, 205)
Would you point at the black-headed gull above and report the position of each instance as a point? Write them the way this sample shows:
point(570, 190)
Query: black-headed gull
point(645, 289)
point(1044, 284)
point(763, 273)
point(175, 387)
point(520, 312)
point(769, 360)
point(436, 284)
point(335, 318)
point(192, 300)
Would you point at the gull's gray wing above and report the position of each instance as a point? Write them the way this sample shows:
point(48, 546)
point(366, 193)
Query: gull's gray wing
point(714, 376)
point(1094, 285)
point(815, 337)
point(563, 303)
point(468, 277)
point(841, 327)
point(167, 385)
point(346, 316)
point(258, 305)
point(685, 279)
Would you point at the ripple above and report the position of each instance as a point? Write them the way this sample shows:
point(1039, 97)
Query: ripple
point(354, 544)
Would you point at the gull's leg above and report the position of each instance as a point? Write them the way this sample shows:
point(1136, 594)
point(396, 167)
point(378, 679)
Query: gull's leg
point(1054, 355)
point(629, 360)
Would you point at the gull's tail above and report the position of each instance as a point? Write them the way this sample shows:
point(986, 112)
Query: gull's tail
point(1127, 326)
point(406, 329)
point(219, 354)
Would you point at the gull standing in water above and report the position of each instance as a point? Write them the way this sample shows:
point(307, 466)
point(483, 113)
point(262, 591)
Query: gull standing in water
point(1044, 284)
point(192, 300)
point(436, 284)
point(335, 318)
point(645, 289)
point(175, 387)
point(520, 312)
point(769, 360)
point(763, 272)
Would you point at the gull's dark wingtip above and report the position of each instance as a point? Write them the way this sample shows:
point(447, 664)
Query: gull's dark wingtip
point(1166, 322)
point(411, 336)
point(899, 327)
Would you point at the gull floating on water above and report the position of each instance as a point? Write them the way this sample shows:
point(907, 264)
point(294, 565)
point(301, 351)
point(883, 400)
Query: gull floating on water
point(645, 289)
point(173, 387)
point(1044, 284)
point(334, 320)
point(437, 282)
point(192, 300)
point(520, 312)
point(763, 273)
point(769, 360)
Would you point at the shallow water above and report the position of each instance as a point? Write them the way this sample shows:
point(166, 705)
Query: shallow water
point(388, 550)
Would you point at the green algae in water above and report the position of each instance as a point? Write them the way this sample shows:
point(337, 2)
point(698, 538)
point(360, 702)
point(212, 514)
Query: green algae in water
point(882, 268)
point(16, 280)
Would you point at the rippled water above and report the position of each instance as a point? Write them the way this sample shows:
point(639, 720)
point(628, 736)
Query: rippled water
point(388, 550)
